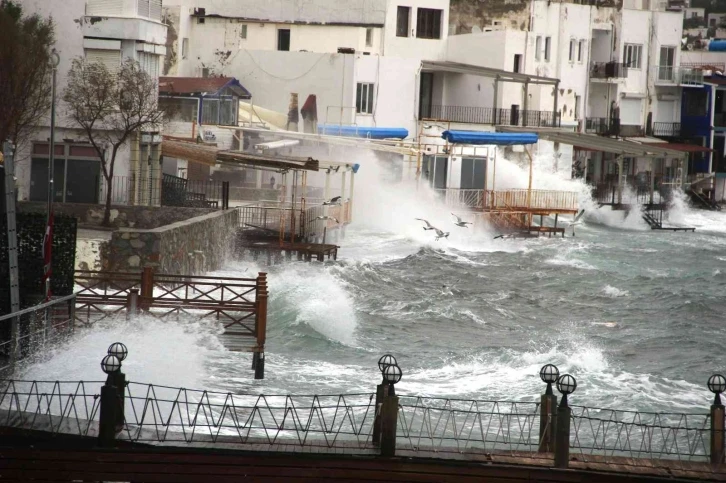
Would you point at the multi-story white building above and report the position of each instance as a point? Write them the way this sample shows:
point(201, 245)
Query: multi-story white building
point(106, 31)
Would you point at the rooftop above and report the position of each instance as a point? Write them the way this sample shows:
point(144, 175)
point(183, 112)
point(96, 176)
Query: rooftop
point(201, 86)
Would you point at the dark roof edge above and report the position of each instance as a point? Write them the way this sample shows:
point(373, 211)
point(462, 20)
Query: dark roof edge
point(290, 22)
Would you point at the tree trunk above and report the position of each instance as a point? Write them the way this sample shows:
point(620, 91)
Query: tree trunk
point(107, 211)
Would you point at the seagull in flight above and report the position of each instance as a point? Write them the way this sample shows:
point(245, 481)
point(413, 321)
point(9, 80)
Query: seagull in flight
point(459, 221)
point(575, 221)
point(332, 201)
point(440, 234)
point(428, 226)
point(510, 235)
point(328, 218)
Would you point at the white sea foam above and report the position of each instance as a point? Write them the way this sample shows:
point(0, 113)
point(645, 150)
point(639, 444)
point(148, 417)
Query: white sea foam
point(614, 292)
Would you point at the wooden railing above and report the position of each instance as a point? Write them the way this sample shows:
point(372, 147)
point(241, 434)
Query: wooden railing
point(278, 219)
point(509, 200)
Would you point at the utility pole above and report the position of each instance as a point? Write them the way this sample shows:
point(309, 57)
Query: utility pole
point(9, 162)
point(48, 238)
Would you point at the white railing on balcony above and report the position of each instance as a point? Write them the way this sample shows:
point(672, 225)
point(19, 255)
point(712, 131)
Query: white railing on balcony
point(672, 75)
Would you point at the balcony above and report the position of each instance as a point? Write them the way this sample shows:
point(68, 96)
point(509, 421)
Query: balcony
point(608, 70)
point(148, 9)
point(603, 126)
point(666, 75)
point(666, 129)
point(492, 116)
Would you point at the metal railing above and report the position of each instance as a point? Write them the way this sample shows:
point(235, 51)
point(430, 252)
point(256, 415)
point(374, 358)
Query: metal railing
point(603, 126)
point(667, 129)
point(24, 333)
point(674, 75)
point(461, 198)
point(493, 116)
point(608, 70)
point(168, 191)
point(523, 199)
point(279, 218)
point(346, 423)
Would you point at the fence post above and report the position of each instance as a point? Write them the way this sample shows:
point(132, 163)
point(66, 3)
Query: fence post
point(107, 419)
point(225, 195)
point(389, 421)
point(260, 325)
point(381, 393)
point(132, 303)
point(717, 434)
point(72, 312)
point(562, 434)
point(547, 415)
point(147, 287)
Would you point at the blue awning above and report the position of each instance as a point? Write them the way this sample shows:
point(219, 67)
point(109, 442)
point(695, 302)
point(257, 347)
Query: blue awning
point(364, 132)
point(484, 137)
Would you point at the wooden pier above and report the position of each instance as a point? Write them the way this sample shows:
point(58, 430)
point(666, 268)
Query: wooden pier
point(239, 305)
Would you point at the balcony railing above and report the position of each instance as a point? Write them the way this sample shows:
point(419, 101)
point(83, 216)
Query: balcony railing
point(672, 75)
point(489, 115)
point(666, 129)
point(603, 126)
point(608, 70)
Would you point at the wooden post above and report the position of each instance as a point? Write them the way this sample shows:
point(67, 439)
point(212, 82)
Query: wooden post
point(562, 434)
point(717, 434)
point(389, 421)
point(260, 324)
point(107, 418)
point(147, 288)
point(381, 393)
point(547, 415)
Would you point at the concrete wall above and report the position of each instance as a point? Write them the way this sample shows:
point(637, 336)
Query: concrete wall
point(189, 247)
point(411, 46)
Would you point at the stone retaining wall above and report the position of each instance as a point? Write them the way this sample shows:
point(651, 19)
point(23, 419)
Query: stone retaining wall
point(189, 247)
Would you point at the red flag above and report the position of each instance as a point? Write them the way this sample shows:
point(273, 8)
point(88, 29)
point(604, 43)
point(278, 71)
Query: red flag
point(47, 249)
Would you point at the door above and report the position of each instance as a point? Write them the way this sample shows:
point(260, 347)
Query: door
point(83, 181)
point(425, 95)
point(441, 164)
point(39, 179)
point(666, 70)
point(283, 39)
point(473, 173)
point(514, 119)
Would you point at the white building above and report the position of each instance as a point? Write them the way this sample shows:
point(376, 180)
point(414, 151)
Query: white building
point(107, 31)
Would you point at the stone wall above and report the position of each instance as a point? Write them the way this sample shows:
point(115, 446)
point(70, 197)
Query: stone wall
point(189, 247)
point(121, 216)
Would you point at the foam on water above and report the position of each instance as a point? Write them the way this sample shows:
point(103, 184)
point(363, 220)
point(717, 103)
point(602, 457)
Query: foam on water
point(614, 292)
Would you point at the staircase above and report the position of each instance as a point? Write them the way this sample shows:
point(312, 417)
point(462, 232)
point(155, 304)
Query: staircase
point(701, 201)
point(655, 222)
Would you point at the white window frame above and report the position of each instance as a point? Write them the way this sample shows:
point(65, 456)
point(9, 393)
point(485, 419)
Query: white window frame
point(581, 46)
point(365, 94)
point(633, 56)
point(538, 48)
point(547, 48)
point(369, 37)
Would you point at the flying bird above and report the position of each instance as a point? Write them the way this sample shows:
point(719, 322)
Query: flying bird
point(510, 235)
point(440, 234)
point(328, 218)
point(332, 201)
point(461, 223)
point(575, 221)
point(428, 226)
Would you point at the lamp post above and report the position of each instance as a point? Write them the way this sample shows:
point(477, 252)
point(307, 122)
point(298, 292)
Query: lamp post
point(109, 402)
point(47, 255)
point(389, 411)
point(118, 379)
point(566, 384)
point(717, 384)
point(381, 392)
point(548, 409)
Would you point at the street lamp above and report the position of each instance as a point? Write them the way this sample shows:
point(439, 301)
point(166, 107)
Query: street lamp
point(717, 385)
point(392, 375)
point(47, 255)
point(385, 361)
point(566, 384)
point(549, 374)
point(110, 364)
point(119, 350)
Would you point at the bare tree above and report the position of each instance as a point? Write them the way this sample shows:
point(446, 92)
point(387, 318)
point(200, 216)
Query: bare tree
point(110, 107)
point(25, 88)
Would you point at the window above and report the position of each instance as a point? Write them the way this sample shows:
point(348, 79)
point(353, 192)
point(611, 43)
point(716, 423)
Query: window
point(428, 23)
point(665, 65)
point(364, 98)
point(283, 39)
point(185, 47)
point(517, 63)
point(538, 48)
point(572, 50)
point(402, 21)
point(473, 173)
point(548, 42)
point(369, 37)
point(694, 15)
point(633, 56)
point(695, 102)
point(580, 51)
point(243, 31)
point(110, 58)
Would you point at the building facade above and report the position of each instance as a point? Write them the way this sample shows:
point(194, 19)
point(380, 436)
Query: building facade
point(106, 31)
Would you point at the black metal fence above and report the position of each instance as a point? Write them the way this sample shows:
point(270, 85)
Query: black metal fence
point(603, 126)
point(494, 116)
point(608, 70)
point(168, 191)
point(30, 232)
point(666, 129)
